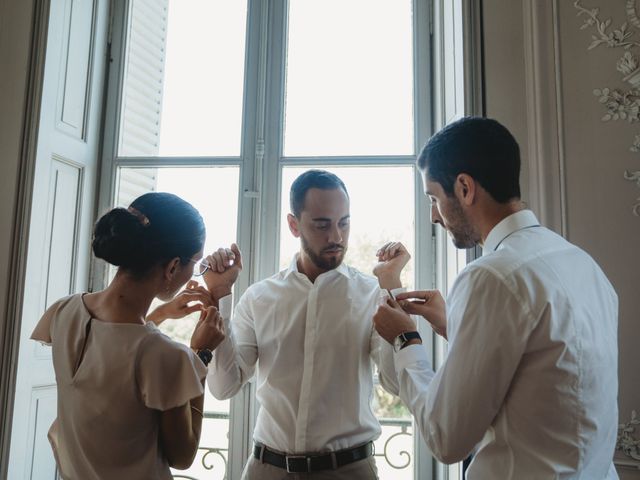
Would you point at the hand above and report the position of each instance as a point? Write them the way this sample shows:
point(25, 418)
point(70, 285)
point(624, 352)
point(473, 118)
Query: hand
point(390, 321)
point(428, 304)
point(392, 258)
point(209, 331)
point(225, 265)
point(179, 306)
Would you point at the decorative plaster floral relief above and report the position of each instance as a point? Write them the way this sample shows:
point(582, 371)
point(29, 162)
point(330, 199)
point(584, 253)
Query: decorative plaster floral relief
point(626, 441)
point(619, 104)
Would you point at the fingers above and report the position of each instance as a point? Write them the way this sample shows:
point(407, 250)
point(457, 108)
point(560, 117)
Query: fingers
point(417, 295)
point(197, 295)
point(210, 313)
point(386, 252)
point(390, 322)
point(381, 320)
point(391, 250)
point(392, 302)
point(429, 304)
point(393, 306)
point(238, 254)
point(205, 314)
point(415, 307)
point(193, 308)
point(209, 331)
point(223, 258)
point(191, 284)
point(387, 307)
point(383, 249)
point(215, 321)
point(213, 264)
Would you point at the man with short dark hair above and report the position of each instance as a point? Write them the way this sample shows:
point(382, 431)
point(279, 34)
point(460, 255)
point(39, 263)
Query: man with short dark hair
point(530, 379)
point(308, 335)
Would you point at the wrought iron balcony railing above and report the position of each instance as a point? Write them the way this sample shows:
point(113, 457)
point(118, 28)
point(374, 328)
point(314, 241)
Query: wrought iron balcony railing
point(393, 451)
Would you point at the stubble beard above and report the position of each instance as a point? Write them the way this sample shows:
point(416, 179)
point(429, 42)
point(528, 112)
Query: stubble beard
point(462, 232)
point(325, 264)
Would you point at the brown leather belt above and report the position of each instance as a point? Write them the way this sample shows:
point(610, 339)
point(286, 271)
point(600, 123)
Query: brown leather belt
point(312, 463)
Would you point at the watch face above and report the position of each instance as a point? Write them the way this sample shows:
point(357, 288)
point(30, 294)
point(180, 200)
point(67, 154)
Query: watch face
point(205, 355)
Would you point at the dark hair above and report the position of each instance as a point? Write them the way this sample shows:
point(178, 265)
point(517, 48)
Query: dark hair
point(479, 147)
point(155, 228)
point(312, 179)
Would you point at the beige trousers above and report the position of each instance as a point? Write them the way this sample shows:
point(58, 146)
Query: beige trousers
point(361, 470)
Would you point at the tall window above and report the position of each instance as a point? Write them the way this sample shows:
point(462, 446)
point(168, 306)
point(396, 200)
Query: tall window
point(225, 102)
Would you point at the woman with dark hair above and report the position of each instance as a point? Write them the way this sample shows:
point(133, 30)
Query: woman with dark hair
point(129, 398)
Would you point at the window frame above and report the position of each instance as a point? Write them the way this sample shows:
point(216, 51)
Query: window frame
point(261, 162)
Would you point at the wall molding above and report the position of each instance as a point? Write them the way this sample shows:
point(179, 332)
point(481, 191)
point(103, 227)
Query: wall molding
point(547, 178)
point(619, 104)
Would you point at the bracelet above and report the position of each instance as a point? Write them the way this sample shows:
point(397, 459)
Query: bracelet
point(197, 410)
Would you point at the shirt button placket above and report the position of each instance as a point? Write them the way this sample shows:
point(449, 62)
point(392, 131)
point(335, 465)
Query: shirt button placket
point(307, 375)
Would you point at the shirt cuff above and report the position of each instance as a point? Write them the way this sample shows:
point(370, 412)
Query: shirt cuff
point(225, 306)
point(409, 355)
point(396, 291)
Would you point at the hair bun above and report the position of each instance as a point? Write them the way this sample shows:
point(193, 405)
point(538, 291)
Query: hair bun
point(156, 228)
point(118, 238)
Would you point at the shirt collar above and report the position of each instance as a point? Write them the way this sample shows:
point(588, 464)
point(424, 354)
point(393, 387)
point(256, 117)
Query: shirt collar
point(342, 269)
point(507, 226)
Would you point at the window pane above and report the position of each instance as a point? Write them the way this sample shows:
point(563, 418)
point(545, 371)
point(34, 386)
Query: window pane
point(206, 188)
point(382, 209)
point(349, 78)
point(184, 78)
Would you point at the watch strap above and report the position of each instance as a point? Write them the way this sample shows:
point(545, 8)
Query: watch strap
point(406, 337)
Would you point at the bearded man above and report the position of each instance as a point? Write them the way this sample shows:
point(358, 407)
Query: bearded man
point(529, 383)
point(308, 336)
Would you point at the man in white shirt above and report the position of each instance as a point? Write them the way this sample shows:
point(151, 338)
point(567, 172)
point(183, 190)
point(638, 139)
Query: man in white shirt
point(307, 332)
point(529, 383)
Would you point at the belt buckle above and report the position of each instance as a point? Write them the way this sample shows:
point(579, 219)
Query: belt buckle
point(297, 457)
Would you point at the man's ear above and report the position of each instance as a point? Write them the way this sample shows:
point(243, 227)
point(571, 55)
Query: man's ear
point(171, 268)
point(465, 189)
point(294, 225)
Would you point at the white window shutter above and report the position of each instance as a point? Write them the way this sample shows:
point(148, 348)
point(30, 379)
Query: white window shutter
point(142, 96)
point(144, 78)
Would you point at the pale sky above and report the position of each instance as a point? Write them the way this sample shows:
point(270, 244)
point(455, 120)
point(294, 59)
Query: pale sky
point(348, 92)
point(349, 84)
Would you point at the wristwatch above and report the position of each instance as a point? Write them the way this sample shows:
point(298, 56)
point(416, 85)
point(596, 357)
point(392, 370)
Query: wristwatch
point(205, 355)
point(403, 339)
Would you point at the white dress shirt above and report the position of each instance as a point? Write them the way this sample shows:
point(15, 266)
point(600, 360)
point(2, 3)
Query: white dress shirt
point(530, 379)
point(314, 346)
